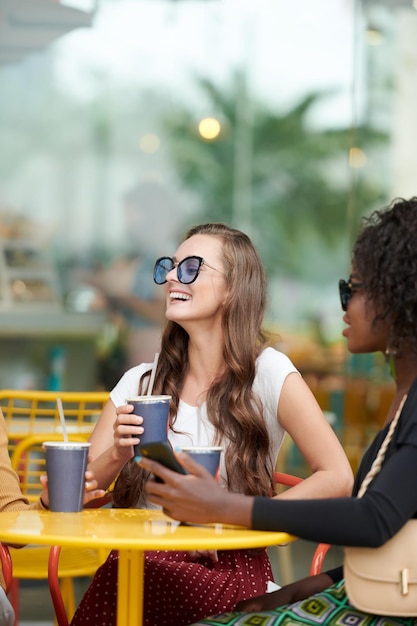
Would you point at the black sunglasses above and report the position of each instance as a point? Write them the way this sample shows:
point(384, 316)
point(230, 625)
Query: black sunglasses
point(346, 289)
point(187, 269)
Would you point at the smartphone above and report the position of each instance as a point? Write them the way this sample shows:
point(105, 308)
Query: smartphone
point(162, 452)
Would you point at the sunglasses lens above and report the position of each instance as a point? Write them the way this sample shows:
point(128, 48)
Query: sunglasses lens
point(345, 293)
point(162, 267)
point(188, 269)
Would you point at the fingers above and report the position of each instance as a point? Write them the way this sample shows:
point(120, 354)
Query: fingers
point(249, 606)
point(127, 427)
point(90, 483)
point(124, 409)
point(44, 481)
point(90, 489)
point(214, 556)
point(93, 495)
point(168, 476)
point(175, 481)
point(201, 554)
point(44, 494)
point(165, 474)
point(191, 465)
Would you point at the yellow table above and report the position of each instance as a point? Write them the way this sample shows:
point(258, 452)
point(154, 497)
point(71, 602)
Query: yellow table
point(131, 531)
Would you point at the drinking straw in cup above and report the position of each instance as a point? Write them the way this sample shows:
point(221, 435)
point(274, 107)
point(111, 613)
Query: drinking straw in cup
point(153, 372)
point(62, 418)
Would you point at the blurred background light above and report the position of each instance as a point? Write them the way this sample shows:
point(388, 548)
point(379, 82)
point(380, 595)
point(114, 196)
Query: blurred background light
point(209, 128)
point(357, 158)
point(150, 143)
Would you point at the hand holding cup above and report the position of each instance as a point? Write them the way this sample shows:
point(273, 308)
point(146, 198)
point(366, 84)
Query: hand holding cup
point(91, 491)
point(155, 413)
point(66, 469)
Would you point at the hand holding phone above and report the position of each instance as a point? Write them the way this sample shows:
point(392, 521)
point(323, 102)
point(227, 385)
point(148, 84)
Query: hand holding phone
point(162, 452)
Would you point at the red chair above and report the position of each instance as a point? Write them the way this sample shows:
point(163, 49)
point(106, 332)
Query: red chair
point(55, 589)
point(318, 558)
point(289, 480)
point(7, 566)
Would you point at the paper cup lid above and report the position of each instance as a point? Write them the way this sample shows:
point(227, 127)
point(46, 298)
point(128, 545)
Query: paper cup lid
point(66, 444)
point(202, 449)
point(148, 399)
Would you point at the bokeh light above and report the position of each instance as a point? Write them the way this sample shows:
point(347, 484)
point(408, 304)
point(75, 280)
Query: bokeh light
point(209, 128)
point(150, 143)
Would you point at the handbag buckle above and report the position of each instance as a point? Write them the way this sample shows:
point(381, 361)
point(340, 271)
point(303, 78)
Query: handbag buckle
point(404, 581)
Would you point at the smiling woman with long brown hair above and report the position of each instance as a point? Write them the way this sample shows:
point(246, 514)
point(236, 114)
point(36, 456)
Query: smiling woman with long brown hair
point(228, 387)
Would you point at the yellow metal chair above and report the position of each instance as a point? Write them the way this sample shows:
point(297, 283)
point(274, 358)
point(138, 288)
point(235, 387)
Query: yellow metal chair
point(28, 461)
point(32, 412)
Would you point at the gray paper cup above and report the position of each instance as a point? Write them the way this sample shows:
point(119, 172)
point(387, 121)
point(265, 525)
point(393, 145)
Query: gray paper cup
point(155, 413)
point(66, 463)
point(207, 456)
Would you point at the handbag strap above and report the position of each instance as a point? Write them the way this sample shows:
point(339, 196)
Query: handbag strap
point(376, 465)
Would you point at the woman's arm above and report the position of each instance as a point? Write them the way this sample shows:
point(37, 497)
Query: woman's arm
point(196, 497)
point(11, 497)
point(389, 502)
point(112, 441)
point(300, 415)
point(299, 590)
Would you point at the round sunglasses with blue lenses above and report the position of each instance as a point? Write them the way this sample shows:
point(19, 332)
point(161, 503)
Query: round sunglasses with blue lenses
point(187, 269)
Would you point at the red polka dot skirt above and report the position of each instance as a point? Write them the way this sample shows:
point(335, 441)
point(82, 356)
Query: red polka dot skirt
point(179, 591)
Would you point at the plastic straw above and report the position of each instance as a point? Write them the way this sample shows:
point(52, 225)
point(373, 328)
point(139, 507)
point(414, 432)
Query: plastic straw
point(62, 418)
point(153, 372)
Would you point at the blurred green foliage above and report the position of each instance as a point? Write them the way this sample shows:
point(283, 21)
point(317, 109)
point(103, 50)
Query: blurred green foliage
point(273, 174)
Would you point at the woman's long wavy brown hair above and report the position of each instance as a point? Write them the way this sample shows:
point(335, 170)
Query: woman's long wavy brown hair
point(232, 407)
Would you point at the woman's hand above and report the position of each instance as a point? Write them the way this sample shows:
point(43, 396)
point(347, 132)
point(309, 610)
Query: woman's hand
point(195, 555)
point(127, 430)
point(90, 488)
point(289, 594)
point(195, 497)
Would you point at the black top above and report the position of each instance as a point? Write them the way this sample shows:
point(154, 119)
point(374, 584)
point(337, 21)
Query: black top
point(389, 502)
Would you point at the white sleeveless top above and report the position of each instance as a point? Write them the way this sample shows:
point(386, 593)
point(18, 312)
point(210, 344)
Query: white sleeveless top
point(272, 368)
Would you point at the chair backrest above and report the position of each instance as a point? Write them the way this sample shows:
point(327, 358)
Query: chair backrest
point(28, 461)
point(30, 412)
point(317, 560)
point(54, 588)
point(289, 480)
point(7, 567)
point(53, 569)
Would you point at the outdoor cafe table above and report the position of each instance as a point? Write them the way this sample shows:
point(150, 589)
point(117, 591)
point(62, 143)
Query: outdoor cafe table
point(132, 532)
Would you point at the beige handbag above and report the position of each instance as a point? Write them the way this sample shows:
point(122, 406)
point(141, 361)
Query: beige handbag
point(383, 580)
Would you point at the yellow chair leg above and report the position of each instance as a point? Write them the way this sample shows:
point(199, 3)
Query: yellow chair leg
point(67, 590)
